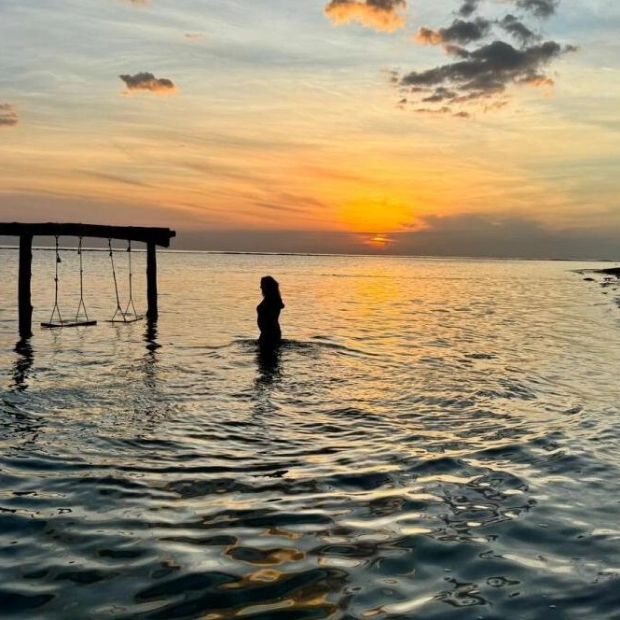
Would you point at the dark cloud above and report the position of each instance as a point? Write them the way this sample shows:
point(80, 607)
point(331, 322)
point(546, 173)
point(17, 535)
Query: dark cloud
point(466, 235)
point(504, 236)
point(382, 15)
point(485, 71)
point(460, 31)
point(489, 55)
point(476, 235)
point(540, 8)
point(456, 50)
point(518, 30)
point(468, 8)
point(149, 83)
point(8, 115)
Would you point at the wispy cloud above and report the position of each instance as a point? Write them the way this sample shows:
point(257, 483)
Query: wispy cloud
point(149, 83)
point(382, 15)
point(194, 36)
point(8, 115)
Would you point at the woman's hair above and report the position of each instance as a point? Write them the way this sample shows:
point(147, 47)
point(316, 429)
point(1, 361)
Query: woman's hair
point(271, 289)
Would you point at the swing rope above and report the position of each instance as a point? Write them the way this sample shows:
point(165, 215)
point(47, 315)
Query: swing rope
point(130, 310)
point(56, 308)
point(130, 303)
point(118, 299)
point(81, 305)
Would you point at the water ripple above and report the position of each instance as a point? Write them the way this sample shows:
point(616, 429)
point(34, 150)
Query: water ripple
point(435, 440)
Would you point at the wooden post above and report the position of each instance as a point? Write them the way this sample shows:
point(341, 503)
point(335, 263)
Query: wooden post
point(23, 286)
point(151, 281)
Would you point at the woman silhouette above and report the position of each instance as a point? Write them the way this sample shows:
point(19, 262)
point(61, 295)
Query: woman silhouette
point(268, 313)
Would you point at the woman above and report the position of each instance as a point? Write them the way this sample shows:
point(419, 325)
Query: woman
point(268, 312)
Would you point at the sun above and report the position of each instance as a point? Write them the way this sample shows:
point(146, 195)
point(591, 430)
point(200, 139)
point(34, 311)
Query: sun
point(378, 241)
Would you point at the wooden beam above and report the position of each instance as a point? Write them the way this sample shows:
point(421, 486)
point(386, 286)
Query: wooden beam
point(158, 236)
point(23, 286)
point(151, 282)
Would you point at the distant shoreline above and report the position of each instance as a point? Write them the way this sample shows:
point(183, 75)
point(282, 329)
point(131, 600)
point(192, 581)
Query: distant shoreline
point(612, 270)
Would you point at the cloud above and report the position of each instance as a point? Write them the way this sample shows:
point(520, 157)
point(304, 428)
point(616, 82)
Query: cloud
point(540, 8)
point(149, 83)
point(503, 235)
point(500, 235)
point(468, 8)
point(38, 207)
point(382, 15)
point(517, 29)
point(490, 53)
point(273, 240)
point(8, 115)
point(487, 69)
point(489, 56)
point(461, 32)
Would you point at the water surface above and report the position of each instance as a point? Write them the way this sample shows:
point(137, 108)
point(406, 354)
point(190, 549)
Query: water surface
point(435, 439)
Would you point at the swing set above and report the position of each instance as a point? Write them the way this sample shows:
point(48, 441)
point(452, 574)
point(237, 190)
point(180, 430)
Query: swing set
point(126, 313)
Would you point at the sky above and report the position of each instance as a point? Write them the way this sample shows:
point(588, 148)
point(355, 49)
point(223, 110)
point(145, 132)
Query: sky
point(444, 127)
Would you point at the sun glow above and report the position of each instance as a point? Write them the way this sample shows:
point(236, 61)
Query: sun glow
point(366, 214)
point(378, 241)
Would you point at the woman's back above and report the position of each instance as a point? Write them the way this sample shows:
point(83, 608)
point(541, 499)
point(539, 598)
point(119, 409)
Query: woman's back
point(268, 312)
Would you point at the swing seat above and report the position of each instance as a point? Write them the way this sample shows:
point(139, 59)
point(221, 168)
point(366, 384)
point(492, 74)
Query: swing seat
point(68, 323)
point(126, 317)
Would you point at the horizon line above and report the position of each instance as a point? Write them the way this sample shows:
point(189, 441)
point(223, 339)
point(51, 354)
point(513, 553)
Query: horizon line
point(320, 254)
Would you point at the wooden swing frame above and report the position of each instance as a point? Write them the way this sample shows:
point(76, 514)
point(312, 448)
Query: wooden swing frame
point(152, 237)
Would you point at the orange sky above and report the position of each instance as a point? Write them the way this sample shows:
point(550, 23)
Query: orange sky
point(199, 118)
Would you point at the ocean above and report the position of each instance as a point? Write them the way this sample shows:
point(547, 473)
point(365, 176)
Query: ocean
point(435, 439)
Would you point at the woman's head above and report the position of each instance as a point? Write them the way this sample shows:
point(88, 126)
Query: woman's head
point(270, 288)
